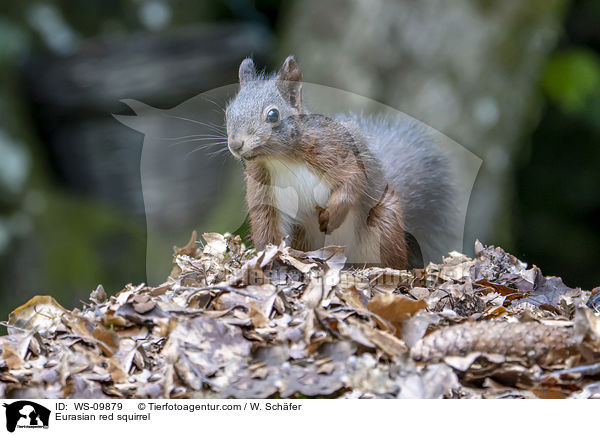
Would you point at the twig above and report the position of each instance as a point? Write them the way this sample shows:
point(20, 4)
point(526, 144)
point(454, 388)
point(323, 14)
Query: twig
point(231, 289)
point(590, 369)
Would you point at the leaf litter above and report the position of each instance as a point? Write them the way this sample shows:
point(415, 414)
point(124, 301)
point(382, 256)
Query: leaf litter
point(233, 322)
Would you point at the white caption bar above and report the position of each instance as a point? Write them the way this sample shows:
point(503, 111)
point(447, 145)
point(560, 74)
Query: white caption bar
point(304, 417)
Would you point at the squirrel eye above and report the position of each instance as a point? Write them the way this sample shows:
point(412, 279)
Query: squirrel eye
point(272, 115)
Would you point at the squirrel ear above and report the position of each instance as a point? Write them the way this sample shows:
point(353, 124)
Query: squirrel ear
point(247, 71)
point(289, 82)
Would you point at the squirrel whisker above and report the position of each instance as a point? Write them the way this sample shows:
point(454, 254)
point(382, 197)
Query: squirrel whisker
point(221, 142)
point(194, 135)
point(218, 128)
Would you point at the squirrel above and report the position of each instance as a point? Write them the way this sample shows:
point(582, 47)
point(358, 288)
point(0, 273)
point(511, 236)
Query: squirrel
point(376, 186)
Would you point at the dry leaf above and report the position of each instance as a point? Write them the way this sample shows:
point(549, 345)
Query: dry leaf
point(395, 309)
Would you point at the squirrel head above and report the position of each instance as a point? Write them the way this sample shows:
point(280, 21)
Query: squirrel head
point(261, 117)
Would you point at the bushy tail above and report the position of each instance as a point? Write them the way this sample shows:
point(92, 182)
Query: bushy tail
point(419, 172)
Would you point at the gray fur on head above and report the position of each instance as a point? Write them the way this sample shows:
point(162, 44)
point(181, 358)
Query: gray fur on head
point(258, 93)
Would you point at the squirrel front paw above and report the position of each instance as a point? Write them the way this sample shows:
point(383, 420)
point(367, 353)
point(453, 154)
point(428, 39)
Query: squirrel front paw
point(323, 219)
point(328, 219)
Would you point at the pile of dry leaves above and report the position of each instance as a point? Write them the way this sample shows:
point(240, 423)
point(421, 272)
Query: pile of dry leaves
point(231, 322)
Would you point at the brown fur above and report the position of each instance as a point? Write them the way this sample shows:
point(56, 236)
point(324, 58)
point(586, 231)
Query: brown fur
point(338, 158)
point(335, 151)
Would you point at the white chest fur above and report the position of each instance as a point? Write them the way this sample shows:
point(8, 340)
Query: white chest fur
point(297, 191)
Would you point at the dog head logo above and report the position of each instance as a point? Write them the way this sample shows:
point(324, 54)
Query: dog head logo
point(24, 413)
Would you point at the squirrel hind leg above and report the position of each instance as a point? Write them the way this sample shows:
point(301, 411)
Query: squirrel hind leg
point(299, 239)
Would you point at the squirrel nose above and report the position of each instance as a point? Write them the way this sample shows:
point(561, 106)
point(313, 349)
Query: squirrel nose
point(236, 145)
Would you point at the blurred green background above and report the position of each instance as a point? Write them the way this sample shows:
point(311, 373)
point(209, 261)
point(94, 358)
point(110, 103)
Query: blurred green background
point(518, 83)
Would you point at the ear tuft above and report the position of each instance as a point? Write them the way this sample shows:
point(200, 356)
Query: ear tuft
point(289, 82)
point(247, 71)
point(290, 70)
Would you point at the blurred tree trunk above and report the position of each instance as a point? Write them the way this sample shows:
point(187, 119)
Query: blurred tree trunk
point(71, 205)
point(468, 68)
